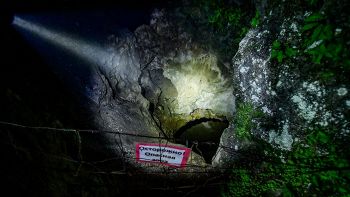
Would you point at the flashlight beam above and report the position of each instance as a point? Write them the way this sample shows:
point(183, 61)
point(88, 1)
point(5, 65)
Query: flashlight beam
point(83, 49)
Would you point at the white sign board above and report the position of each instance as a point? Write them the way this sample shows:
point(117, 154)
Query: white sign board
point(161, 153)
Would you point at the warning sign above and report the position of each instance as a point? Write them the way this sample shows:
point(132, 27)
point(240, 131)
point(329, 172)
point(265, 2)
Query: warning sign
point(163, 154)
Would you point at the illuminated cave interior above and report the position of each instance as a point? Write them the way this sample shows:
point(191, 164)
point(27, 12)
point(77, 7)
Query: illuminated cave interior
point(198, 104)
point(202, 136)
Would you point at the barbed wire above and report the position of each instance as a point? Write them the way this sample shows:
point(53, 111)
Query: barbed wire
point(103, 131)
point(123, 157)
point(78, 130)
point(207, 176)
point(117, 140)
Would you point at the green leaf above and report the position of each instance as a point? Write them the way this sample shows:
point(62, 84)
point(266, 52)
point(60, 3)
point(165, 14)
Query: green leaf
point(318, 53)
point(290, 52)
point(215, 17)
point(326, 33)
point(314, 17)
point(342, 163)
point(338, 49)
point(276, 44)
point(244, 30)
point(314, 181)
point(309, 26)
point(347, 64)
point(322, 49)
point(327, 75)
point(273, 54)
point(255, 21)
point(317, 58)
point(342, 190)
point(316, 33)
point(280, 56)
point(322, 137)
point(312, 2)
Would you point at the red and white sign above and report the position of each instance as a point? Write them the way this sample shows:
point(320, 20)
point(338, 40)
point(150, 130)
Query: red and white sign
point(161, 153)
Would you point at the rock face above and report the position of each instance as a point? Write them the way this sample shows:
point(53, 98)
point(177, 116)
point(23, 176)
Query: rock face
point(162, 81)
point(157, 82)
point(252, 79)
point(291, 100)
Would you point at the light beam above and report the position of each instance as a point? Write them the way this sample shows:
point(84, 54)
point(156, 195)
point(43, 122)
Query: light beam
point(85, 50)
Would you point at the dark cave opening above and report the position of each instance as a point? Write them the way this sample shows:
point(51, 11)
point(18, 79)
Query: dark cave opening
point(202, 135)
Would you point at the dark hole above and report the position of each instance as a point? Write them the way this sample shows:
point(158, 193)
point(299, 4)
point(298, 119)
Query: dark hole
point(203, 135)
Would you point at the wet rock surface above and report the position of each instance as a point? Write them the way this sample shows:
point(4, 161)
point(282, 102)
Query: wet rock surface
point(157, 85)
point(157, 82)
point(164, 80)
point(290, 100)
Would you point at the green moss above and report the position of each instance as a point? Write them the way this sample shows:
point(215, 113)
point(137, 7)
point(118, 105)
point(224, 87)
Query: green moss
point(317, 166)
point(244, 120)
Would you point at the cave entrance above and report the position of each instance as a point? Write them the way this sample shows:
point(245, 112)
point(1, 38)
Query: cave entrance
point(202, 135)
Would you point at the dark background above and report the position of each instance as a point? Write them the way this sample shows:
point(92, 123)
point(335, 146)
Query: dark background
point(31, 94)
point(28, 87)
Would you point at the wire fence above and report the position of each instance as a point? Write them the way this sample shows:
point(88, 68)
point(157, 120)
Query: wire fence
point(118, 143)
point(125, 158)
point(212, 179)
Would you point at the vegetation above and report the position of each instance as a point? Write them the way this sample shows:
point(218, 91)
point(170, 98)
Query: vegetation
point(243, 120)
point(218, 25)
point(318, 164)
point(323, 45)
point(256, 20)
point(281, 52)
